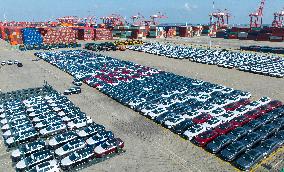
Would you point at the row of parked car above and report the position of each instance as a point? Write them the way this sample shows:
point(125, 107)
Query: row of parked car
point(259, 64)
point(189, 107)
point(263, 49)
point(48, 132)
point(106, 46)
point(48, 47)
point(11, 62)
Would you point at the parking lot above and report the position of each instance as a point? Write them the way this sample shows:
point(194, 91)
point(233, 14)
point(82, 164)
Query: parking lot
point(149, 147)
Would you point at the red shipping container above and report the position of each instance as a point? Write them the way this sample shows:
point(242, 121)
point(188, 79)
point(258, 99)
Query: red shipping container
point(58, 35)
point(102, 34)
point(85, 34)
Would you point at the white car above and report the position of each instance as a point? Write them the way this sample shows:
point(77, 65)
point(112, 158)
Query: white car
point(90, 130)
point(173, 121)
point(79, 123)
point(190, 115)
point(253, 105)
point(52, 129)
point(217, 112)
point(28, 149)
point(156, 112)
point(241, 110)
point(136, 102)
point(48, 166)
point(34, 159)
point(193, 131)
point(264, 100)
point(62, 138)
point(228, 116)
point(69, 147)
point(77, 157)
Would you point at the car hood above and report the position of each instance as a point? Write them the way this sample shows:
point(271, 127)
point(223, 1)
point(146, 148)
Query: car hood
point(66, 161)
point(21, 164)
point(16, 153)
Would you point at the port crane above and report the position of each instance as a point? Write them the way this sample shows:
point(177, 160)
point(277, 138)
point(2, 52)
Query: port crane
point(138, 20)
point(222, 18)
point(278, 19)
point(114, 20)
point(256, 17)
point(156, 17)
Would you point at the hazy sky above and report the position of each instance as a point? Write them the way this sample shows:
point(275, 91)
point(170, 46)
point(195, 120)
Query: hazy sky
point(192, 11)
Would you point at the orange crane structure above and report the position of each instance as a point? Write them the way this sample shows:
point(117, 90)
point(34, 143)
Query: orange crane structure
point(218, 20)
point(256, 17)
point(278, 19)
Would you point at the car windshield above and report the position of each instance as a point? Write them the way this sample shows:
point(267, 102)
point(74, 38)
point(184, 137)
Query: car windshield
point(73, 156)
point(28, 160)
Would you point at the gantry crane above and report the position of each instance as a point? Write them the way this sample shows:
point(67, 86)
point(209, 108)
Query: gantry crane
point(256, 17)
point(138, 20)
point(221, 18)
point(114, 20)
point(156, 17)
point(278, 19)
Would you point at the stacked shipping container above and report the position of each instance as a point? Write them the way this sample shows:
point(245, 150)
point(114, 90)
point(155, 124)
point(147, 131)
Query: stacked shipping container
point(31, 36)
point(102, 34)
point(59, 35)
point(85, 34)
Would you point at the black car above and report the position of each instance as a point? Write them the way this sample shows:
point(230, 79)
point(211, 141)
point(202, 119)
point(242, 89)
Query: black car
point(247, 160)
point(280, 136)
point(253, 125)
point(267, 130)
point(20, 64)
point(251, 139)
point(266, 118)
point(183, 126)
point(232, 151)
point(219, 143)
point(237, 133)
point(163, 117)
point(279, 123)
point(268, 146)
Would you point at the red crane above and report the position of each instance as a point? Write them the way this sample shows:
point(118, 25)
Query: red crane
point(138, 20)
point(222, 18)
point(114, 20)
point(256, 17)
point(157, 16)
point(278, 19)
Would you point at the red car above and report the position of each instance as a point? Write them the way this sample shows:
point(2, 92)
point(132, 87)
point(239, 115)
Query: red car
point(235, 105)
point(240, 121)
point(275, 104)
point(253, 114)
point(108, 147)
point(224, 128)
point(205, 137)
point(200, 119)
point(270, 106)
